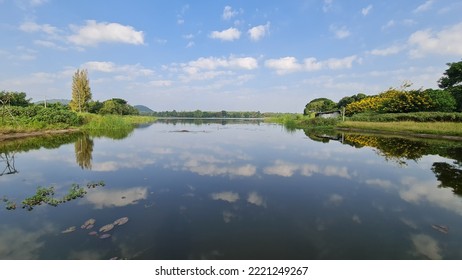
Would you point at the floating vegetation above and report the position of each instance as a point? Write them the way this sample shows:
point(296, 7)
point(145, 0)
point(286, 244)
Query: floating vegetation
point(121, 221)
point(102, 233)
point(104, 236)
point(106, 228)
point(441, 228)
point(68, 230)
point(88, 224)
point(45, 195)
point(93, 185)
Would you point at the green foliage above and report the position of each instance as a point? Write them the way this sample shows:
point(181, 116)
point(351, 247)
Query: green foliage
point(441, 100)
point(94, 106)
point(319, 105)
point(36, 116)
point(452, 82)
point(452, 76)
point(45, 195)
point(14, 99)
point(350, 99)
point(117, 106)
point(416, 117)
point(81, 92)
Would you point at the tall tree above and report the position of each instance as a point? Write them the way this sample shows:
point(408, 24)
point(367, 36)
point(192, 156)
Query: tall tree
point(452, 82)
point(81, 92)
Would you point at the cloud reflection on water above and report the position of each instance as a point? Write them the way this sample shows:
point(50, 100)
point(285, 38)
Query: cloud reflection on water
point(230, 197)
point(18, 244)
point(287, 169)
point(115, 198)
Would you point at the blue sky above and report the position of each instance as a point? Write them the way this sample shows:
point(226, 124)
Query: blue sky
point(226, 55)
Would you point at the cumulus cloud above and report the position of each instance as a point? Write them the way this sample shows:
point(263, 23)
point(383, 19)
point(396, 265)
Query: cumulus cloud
point(229, 34)
point(129, 70)
point(211, 63)
point(30, 26)
point(94, 33)
point(290, 64)
point(366, 11)
point(256, 33)
point(447, 41)
point(340, 32)
point(229, 13)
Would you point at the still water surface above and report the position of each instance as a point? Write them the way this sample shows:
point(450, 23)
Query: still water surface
point(234, 190)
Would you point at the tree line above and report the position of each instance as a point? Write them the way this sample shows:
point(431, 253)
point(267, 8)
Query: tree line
point(207, 114)
point(448, 98)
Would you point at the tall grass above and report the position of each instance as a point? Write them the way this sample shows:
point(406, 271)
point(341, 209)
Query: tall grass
point(95, 122)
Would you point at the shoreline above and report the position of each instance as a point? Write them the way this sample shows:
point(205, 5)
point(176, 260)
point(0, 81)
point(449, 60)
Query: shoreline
point(19, 135)
point(400, 133)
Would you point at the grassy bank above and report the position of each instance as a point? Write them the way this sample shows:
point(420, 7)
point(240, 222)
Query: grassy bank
point(449, 124)
point(28, 121)
point(95, 122)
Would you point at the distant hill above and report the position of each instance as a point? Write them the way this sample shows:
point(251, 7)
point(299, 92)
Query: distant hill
point(52, 101)
point(143, 109)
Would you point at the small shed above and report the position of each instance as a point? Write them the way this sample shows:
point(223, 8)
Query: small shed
point(328, 114)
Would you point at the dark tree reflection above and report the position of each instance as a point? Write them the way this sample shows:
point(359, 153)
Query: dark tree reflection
point(83, 151)
point(449, 175)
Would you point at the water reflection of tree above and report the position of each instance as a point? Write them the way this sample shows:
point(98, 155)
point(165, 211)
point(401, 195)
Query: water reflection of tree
point(400, 149)
point(450, 176)
point(8, 160)
point(83, 151)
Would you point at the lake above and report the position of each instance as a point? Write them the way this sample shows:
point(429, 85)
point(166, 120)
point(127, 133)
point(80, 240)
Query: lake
point(222, 189)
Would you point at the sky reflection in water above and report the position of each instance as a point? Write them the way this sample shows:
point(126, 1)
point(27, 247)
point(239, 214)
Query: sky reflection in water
point(238, 191)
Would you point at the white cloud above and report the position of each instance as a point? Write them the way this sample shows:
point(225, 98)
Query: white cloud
point(30, 26)
point(387, 51)
point(424, 7)
point(340, 32)
point(290, 64)
point(205, 68)
point(160, 83)
point(258, 32)
point(229, 34)
point(129, 70)
point(366, 11)
point(284, 65)
point(447, 41)
point(94, 33)
point(229, 13)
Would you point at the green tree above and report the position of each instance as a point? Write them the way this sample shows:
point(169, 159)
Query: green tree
point(319, 105)
point(81, 92)
point(452, 82)
point(14, 98)
point(442, 100)
point(118, 106)
point(350, 99)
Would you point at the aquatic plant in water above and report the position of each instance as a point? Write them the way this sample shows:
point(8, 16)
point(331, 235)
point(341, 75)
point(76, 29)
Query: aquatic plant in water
point(45, 195)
